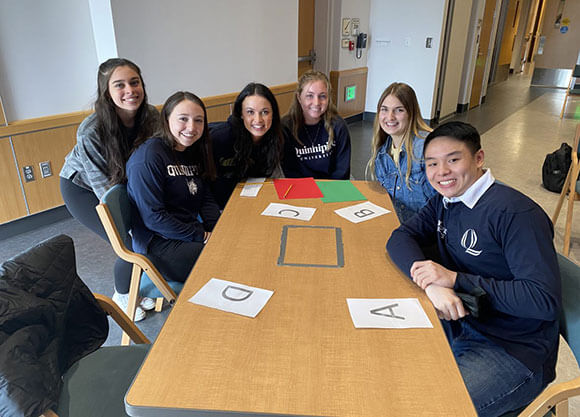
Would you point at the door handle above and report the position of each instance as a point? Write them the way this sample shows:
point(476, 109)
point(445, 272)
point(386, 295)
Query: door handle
point(308, 58)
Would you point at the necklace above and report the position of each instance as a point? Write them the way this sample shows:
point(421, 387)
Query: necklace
point(312, 140)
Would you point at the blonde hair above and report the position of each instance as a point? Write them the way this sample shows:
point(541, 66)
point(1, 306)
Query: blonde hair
point(405, 94)
point(295, 114)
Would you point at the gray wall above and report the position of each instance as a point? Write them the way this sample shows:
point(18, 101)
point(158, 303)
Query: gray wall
point(48, 59)
point(50, 50)
point(208, 47)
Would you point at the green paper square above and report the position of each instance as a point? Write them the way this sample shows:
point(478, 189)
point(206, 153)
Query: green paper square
point(337, 191)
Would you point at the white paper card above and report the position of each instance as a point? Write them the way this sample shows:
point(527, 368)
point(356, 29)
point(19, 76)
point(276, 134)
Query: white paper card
point(289, 212)
point(361, 212)
point(250, 190)
point(252, 187)
point(387, 313)
point(232, 297)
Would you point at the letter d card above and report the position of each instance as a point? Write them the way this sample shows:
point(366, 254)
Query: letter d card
point(232, 297)
point(361, 212)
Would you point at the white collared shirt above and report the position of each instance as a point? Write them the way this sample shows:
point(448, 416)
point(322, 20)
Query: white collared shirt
point(473, 193)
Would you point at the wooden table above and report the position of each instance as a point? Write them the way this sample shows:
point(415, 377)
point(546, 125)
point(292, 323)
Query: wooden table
point(301, 355)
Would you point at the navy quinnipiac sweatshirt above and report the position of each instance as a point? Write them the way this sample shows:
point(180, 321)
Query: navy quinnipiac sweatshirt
point(504, 246)
point(312, 158)
point(168, 192)
point(223, 141)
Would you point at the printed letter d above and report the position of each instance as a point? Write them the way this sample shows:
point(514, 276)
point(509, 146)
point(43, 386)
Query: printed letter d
point(236, 293)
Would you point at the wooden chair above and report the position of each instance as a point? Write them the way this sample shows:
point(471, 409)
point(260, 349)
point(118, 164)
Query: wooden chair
point(571, 90)
point(96, 385)
point(571, 187)
point(115, 214)
point(554, 399)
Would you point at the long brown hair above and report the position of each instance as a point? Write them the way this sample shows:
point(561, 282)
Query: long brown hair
point(201, 150)
point(112, 135)
point(295, 114)
point(406, 95)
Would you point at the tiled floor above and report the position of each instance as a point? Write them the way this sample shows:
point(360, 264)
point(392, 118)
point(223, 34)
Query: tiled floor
point(519, 126)
point(515, 150)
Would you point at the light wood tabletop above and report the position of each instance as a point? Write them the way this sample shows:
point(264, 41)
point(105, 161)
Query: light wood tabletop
point(301, 355)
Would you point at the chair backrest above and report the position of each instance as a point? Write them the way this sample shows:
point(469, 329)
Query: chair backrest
point(115, 214)
point(570, 318)
point(46, 310)
point(577, 139)
point(119, 206)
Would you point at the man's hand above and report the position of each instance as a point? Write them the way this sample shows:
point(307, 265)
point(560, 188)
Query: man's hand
point(425, 273)
point(447, 304)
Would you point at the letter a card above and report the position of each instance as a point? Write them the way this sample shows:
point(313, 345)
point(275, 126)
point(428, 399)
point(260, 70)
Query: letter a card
point(232, 297)
point(387, 313)
point(361, 212)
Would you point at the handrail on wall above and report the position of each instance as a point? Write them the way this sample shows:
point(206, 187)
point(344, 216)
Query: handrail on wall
point(18, 127)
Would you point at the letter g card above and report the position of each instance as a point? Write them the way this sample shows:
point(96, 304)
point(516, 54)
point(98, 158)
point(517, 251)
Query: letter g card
point(361, 212)
point(232, 297)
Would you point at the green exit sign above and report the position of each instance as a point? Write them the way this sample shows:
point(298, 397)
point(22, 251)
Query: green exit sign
point(350, 93)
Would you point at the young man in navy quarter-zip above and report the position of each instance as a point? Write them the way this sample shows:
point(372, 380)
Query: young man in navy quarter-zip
point(489, 237)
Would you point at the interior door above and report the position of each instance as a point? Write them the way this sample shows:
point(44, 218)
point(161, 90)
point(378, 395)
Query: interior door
point(306, 54)
point(482, 53)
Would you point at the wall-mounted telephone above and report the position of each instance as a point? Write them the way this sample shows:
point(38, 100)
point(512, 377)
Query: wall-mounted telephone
point(361, 43)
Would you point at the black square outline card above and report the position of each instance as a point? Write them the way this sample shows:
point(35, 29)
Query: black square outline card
point(339, 247)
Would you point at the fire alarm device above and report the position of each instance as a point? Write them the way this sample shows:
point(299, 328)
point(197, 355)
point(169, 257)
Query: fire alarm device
point(350, 45)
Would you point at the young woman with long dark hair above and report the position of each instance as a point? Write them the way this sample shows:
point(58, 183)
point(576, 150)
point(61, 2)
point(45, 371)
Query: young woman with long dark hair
point(168, 179)
point(121, 121)
point(249, 143)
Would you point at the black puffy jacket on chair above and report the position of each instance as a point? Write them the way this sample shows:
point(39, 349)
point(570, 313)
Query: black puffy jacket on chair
point(49, 319)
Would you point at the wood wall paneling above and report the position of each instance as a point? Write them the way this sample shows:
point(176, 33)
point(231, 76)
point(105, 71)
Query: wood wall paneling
point(284, 101)
point(43, 123)
point(49, 145)
point(218, 113)
point(12, 205)
point(342, 79)
point(51, 138)
point(220, 107)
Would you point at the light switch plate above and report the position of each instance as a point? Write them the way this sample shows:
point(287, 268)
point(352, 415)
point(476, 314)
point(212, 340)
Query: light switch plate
point(344, 43)
point(45, 169)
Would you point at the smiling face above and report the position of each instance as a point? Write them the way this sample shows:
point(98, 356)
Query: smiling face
point(393, 118)
point(257, 116)
point(450, 166)
point(126, 90)
point(314, 101)
point(186, 123)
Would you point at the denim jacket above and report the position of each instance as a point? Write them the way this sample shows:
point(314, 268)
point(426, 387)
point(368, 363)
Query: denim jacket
point(406, 201)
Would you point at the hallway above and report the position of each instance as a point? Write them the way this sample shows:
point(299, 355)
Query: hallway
point(519, 125)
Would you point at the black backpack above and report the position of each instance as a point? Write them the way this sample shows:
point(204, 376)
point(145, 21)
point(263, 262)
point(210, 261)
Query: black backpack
point(555, 168)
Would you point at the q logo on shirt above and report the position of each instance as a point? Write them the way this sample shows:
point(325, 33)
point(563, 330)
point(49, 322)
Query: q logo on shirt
point(468, 241)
